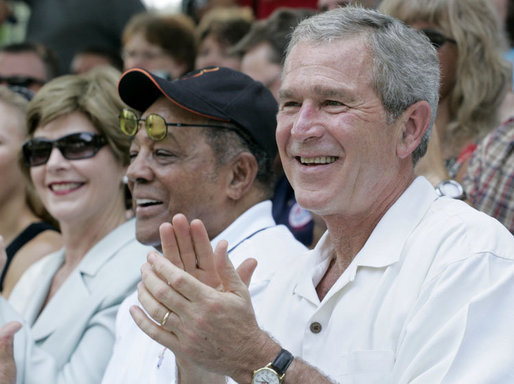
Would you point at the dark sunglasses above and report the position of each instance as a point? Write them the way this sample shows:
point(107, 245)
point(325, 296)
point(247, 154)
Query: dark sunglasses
point(20, 81)
point(437, 38)
point(155, 125)
point(24, 92)
point(76, 146)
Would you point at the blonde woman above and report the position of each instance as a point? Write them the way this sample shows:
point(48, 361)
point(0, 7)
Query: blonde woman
point(77, 159)
point(474, 75)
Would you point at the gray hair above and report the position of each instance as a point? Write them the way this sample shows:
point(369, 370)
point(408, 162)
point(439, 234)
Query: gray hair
point(227, 144)
point(405, 65)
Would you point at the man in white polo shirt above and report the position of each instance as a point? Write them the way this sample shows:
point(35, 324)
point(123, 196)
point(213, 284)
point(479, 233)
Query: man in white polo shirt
point(406, 286)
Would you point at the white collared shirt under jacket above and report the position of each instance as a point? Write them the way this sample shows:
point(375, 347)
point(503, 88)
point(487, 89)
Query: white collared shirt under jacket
point(71, 339)
point(137, 359)
point(428, 299)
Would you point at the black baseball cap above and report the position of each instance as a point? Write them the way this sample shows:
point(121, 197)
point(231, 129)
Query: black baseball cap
point(217, 93)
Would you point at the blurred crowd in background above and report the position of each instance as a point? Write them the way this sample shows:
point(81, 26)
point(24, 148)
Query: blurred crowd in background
point(48, 49)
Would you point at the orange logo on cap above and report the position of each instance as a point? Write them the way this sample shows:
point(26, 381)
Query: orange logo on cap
point(201, 72)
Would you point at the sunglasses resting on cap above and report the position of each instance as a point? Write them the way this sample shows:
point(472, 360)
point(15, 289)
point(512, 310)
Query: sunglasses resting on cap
point(76, 146)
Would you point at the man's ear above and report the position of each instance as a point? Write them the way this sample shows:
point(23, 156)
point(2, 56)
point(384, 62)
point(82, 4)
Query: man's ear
point(414, 124)
point(242, 176)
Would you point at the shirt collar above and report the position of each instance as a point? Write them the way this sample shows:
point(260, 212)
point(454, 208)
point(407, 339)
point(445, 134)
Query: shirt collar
point(383, 247)
point(387, 240)
point(252, 220)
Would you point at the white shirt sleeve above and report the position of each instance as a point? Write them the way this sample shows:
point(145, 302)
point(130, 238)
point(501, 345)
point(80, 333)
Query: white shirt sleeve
point(452, 336)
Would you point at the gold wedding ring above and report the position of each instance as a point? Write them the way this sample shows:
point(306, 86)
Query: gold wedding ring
point(165, 319)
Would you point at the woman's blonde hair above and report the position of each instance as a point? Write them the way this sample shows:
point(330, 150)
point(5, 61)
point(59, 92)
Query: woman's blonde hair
point(94, 94)
point(482, 72)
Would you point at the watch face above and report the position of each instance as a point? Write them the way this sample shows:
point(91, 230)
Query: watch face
point(265, 376)
point(451, 188)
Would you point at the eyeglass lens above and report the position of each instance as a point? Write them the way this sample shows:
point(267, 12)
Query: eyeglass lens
point(155, 125)
point(20, 81)
point(157, 128)
point(129, 122)
point(76, 146)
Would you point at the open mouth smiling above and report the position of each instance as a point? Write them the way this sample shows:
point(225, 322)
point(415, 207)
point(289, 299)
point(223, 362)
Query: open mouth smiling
point(60, 187)
point(318, 160)
point(147, 202)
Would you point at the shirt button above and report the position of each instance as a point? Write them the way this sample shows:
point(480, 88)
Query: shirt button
point(315, 327)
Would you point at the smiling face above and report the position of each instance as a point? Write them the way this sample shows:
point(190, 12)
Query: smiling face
point(84, 191)
point(336, 147)
point(175, 175)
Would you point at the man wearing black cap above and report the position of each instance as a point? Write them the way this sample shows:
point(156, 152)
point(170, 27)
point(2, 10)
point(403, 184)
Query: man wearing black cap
point(203, 147)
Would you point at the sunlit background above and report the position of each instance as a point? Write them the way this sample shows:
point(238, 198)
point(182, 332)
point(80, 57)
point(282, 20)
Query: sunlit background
point(168, 5)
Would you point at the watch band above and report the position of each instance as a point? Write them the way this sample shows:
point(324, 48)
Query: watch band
point(282, 362)
point(274, 372)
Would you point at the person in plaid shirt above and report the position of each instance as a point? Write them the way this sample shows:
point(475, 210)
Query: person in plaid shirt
point(489, 179)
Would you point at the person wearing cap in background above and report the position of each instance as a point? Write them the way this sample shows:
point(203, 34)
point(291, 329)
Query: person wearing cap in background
point(204, 148)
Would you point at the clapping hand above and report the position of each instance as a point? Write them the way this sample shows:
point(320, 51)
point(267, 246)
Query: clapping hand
point(199, 302)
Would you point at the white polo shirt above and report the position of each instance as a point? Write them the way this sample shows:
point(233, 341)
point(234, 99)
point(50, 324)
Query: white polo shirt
point(139, 359)
point(428, 299)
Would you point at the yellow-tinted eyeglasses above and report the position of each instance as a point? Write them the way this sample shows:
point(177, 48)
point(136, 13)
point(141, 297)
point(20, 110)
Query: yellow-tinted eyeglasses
point(155, 125)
